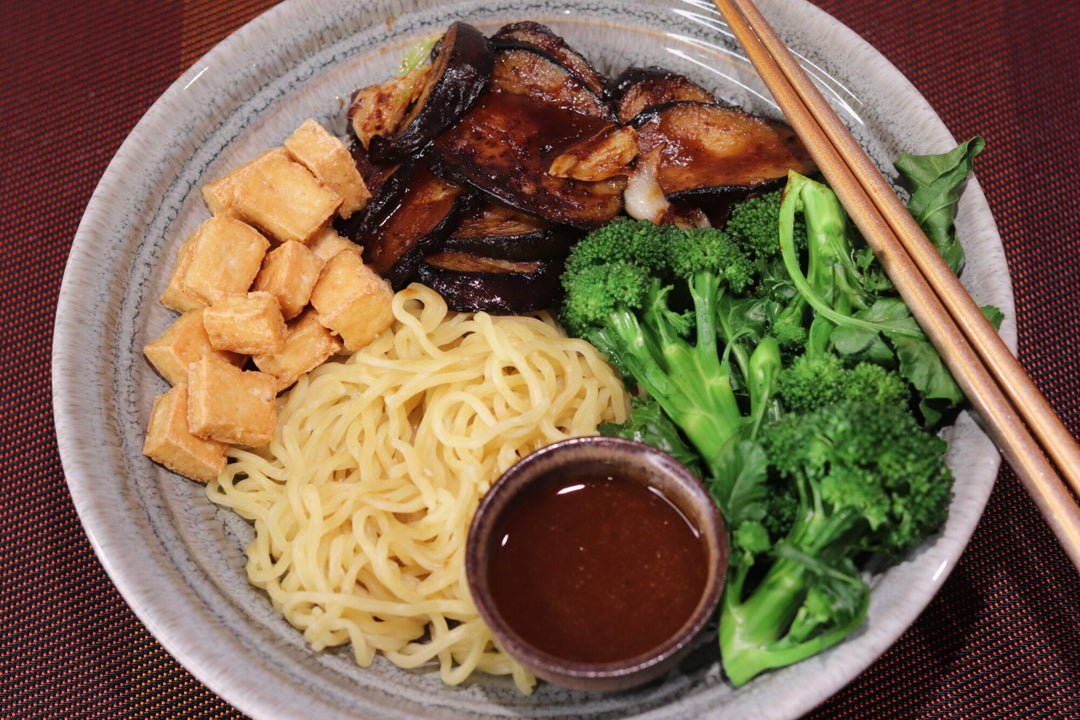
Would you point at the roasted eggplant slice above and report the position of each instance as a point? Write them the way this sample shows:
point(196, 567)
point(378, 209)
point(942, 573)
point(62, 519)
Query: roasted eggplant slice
point(472, 283)
point(532, 110)
point(708, 147)
point(529, 34)
point(428, 210)
point(639, 89)
point(461, 67)
point(379, 180)
point(500, 232)
point(381, 109)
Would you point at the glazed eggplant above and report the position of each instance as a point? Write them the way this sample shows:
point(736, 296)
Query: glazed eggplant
point(641, 88)
point(532, 110)
point(707, 147)
point(386, 185)
point(534, 35)
point(473, 283)
point(500, 232)
point(429, 208)
point(381, 109)
point(461, 65)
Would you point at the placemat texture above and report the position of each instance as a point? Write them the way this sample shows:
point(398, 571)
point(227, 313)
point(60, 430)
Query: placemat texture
point(1002, 638)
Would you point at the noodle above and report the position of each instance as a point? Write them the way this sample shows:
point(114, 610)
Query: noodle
point(362, 501)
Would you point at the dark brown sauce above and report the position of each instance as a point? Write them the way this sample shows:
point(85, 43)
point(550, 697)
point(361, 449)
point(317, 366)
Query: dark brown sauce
point(596, 569)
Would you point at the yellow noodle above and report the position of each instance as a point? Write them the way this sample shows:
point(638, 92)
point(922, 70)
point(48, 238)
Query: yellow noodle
point(362, 501)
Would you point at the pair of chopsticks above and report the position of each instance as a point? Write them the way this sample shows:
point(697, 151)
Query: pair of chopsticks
point(1017, 417)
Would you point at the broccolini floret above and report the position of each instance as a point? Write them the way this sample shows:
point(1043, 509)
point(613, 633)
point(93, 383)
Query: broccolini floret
point(667, 337)
point(753, 225)
point(860, 315)
point(866, 479)
point(811, 381)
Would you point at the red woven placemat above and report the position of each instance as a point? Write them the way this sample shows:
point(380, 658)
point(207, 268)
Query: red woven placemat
point(1002, 638)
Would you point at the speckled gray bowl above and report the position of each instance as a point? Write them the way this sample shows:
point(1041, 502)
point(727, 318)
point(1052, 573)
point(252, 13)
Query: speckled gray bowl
point(178, 560)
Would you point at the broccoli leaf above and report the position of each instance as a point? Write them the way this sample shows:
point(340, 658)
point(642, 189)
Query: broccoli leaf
point(994, 315)
point(649, 424)
point(738, 484)
point(917, 360)
point(938, 391)
point(935, 182)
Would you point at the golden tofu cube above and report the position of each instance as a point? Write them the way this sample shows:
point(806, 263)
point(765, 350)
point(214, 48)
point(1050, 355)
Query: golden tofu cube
point(169, 442)
point(175, 296)
point(231, 405)
point(331, 162)
point(352, 300)
point(276, 194)
point(224, 257)
point(289, 272)
point(182, 343)
point(327, 243)
point(307, 345)
point(246, 323)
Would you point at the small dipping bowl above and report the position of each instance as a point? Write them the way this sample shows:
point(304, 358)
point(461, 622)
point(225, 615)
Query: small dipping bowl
point(596, 561)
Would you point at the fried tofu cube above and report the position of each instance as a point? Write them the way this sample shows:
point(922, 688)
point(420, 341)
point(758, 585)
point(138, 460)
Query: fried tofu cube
point(327, 243)
point(289, 272)
point(231, 405)
point(182, 343)
point(331, 162)
point(246, 323)
point(353, 300)
point(308, 344)
point(169, 442)
point(224, 257)
point(175, 296)
point(276, 194)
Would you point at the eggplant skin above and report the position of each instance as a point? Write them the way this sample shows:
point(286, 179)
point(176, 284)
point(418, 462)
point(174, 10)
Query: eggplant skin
point(554, 242)
point(462, 65)
point(477, 284)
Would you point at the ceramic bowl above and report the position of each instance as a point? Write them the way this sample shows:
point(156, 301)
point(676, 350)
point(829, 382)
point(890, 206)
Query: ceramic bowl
point(179, 561)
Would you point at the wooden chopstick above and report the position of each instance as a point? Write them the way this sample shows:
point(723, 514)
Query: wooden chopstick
point(1011, 407)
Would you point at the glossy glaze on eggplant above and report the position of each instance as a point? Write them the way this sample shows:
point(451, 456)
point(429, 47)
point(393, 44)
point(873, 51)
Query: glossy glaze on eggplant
point(708, 145)
point(425, 214)
point(531, 112)
point(641, 88)
point(489, 161)
point(497, 231)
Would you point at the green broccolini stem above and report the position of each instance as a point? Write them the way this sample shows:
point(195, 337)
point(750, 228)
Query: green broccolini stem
point(753, 632)
point(820, 209)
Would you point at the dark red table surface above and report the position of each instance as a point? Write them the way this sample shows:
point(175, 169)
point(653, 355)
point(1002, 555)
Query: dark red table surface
point(1001, 639)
